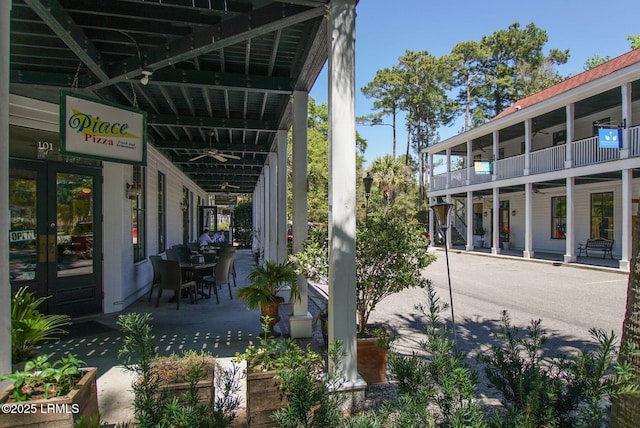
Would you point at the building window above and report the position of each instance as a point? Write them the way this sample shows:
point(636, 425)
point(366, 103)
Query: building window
point(138, 215)
point(558, 217)
point(602, 215)
point(162, 212)
point(559, 137)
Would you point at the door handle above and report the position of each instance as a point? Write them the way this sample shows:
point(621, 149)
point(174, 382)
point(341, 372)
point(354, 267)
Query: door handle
point(52, 248)
point(42, 248)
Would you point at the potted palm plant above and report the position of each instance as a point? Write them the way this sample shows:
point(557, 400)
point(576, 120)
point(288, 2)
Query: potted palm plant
point(264, 285)
point(390, 255)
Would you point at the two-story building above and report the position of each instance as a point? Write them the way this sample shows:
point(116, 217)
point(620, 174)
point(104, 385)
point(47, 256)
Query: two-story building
point(552, 170)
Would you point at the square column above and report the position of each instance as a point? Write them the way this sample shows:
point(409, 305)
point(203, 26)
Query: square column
point(495, 222)
point(272, 208)
point(5, 290)
point(627, 213)
point(342, 184)
point(300, 324)
point(469, 219)
point(528, 221)
point(281, 220)
point(570, 232)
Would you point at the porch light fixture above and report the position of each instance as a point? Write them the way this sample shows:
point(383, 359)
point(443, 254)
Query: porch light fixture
point(513, 213)
point(184, 205)
point(132, 190)
point(442, 210)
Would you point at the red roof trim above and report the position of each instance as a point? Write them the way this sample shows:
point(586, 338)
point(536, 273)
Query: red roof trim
point(585, 77)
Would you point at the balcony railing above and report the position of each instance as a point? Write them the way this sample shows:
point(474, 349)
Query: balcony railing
point(584, 152)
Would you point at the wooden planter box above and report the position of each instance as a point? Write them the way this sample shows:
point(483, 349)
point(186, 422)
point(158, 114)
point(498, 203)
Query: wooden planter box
point(57, 412)
point(263, 397)
point(371, 361)
point(206, 391)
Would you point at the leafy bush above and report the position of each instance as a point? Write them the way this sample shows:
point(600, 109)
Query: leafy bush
point(29, 326)
point(43, 379)
point(557, 391)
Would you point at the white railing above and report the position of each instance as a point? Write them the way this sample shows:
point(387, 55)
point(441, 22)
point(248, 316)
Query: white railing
point(549, 159)
point(439, 181)
point(479, 178)
point(634, 141)
point(587, 152)
point(584, 152)
point(509, 167)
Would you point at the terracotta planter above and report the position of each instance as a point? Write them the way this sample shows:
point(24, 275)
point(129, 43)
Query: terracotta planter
point(263, 398)
point(271, 310)
point(57, 412)
point(372, 361)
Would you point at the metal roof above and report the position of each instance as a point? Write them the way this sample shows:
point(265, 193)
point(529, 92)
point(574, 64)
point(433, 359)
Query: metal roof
point(221, 71)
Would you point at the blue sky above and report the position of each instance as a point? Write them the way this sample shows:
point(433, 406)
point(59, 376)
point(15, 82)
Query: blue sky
point(386, 29)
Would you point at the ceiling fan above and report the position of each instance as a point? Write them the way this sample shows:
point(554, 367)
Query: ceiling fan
point(226, 185)
point(216, 154)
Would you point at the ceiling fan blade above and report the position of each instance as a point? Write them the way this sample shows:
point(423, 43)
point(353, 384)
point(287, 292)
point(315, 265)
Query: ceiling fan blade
point(232, 186)
point(196, 158)
point(230, 156)
point(219, 157)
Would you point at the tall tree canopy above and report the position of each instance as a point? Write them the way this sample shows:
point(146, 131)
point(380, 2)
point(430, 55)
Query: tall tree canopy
point(516, 67)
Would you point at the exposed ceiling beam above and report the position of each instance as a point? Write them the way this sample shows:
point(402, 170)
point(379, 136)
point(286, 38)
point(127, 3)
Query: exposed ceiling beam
point(192, 145)
point(235, 30)
point(215, 80)
point(211, 122)
point(66, 29)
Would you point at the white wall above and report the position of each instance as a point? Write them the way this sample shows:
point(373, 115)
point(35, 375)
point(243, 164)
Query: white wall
point(124, 280)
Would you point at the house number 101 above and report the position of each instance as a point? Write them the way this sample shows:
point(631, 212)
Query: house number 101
point(44, 145)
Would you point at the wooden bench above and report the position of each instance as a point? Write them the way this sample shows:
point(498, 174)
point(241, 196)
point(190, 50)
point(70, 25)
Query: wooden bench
point(598, 244)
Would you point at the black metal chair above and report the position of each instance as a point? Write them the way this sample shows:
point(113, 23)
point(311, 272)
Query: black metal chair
point(156, 273)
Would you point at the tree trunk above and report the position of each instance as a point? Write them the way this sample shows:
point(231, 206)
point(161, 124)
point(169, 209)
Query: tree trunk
point(625, 412)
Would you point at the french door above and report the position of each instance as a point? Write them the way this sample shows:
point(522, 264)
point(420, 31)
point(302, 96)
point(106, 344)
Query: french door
point(55, 239)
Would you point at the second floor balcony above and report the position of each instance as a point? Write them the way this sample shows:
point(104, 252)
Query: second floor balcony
point(584, 152)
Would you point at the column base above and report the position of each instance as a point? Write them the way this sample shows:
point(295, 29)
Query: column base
point(624, 265)
point(527, 254)
point(354, 393)
point(469, 247)
point(300, 326)
point(570, 258)
point(495, 250)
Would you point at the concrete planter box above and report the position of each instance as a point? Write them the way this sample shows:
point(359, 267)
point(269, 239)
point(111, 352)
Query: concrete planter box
point(57, 412)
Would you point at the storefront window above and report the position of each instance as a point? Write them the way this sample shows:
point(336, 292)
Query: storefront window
point(138, 215)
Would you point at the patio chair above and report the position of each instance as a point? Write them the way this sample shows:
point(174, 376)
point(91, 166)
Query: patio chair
point(220, 276)
point(156, 273)
point(231, 250)
point(171, 279)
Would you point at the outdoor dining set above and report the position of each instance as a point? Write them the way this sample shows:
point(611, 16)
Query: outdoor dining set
point(192, 270)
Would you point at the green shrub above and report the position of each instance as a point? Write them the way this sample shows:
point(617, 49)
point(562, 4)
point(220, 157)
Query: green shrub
point(29, 326)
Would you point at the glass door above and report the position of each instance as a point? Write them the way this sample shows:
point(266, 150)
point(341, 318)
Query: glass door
point(55, 238)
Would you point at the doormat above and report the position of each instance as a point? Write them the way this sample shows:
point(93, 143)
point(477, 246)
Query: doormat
point(84, 328)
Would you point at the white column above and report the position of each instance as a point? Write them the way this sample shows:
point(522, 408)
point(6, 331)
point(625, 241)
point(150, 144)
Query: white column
point(448, 162)
point(430, 166)
point(527, 146)
point(626, 118)
point(272, 208)
point(261, 218)
point(469, 216)
point(342, 183)
point(266, 191)
point(301, 322)
point(495, 222)
point(5, 289)
point(281, 225)
point(496, 154)
point(528, 221)
point(432, 220)
point(469, 161)
point(627, 213)
point(570, 112)
point(570, 232)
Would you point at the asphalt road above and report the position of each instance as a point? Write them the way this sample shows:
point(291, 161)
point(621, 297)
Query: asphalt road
point(569, 301)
